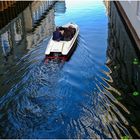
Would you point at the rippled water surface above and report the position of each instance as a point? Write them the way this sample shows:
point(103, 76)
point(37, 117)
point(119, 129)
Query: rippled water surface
point(65, 99)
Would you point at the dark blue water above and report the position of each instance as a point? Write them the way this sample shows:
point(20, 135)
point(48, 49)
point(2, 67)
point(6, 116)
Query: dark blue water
point(65, 99)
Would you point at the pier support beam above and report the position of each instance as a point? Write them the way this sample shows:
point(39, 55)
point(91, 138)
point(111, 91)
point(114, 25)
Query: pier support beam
point(27, 14)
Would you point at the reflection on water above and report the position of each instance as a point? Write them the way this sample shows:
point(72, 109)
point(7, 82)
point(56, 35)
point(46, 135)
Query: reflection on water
point(15, 41)
point(74, 99)
point(5, 37)
point(123, 61)
point(60, 7)
point(17, 37)
point(45, 28)
point(18, 30)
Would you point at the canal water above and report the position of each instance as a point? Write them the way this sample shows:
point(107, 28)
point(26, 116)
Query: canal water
point(93, 95)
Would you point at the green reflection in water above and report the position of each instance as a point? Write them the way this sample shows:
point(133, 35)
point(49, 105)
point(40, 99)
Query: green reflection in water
point(135, 93)
point(119, 98)
point(135, 61)
point(124, 137)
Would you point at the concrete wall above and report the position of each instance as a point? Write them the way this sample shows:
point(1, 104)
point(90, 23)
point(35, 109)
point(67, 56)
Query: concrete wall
point(131, 9)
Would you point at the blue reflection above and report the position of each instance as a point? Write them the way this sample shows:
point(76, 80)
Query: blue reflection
point(71, 100)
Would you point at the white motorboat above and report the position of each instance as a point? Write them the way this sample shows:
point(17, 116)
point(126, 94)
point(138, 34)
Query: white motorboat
point(62, 49)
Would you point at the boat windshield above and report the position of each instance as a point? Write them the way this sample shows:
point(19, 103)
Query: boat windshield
point(64, 33)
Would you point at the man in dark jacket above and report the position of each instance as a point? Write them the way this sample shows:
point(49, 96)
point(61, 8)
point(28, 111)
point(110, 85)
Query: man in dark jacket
point(57, 35)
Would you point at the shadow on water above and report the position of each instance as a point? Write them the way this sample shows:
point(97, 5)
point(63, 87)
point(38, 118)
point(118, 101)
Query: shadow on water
point(73, 99)
point(124, 63)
